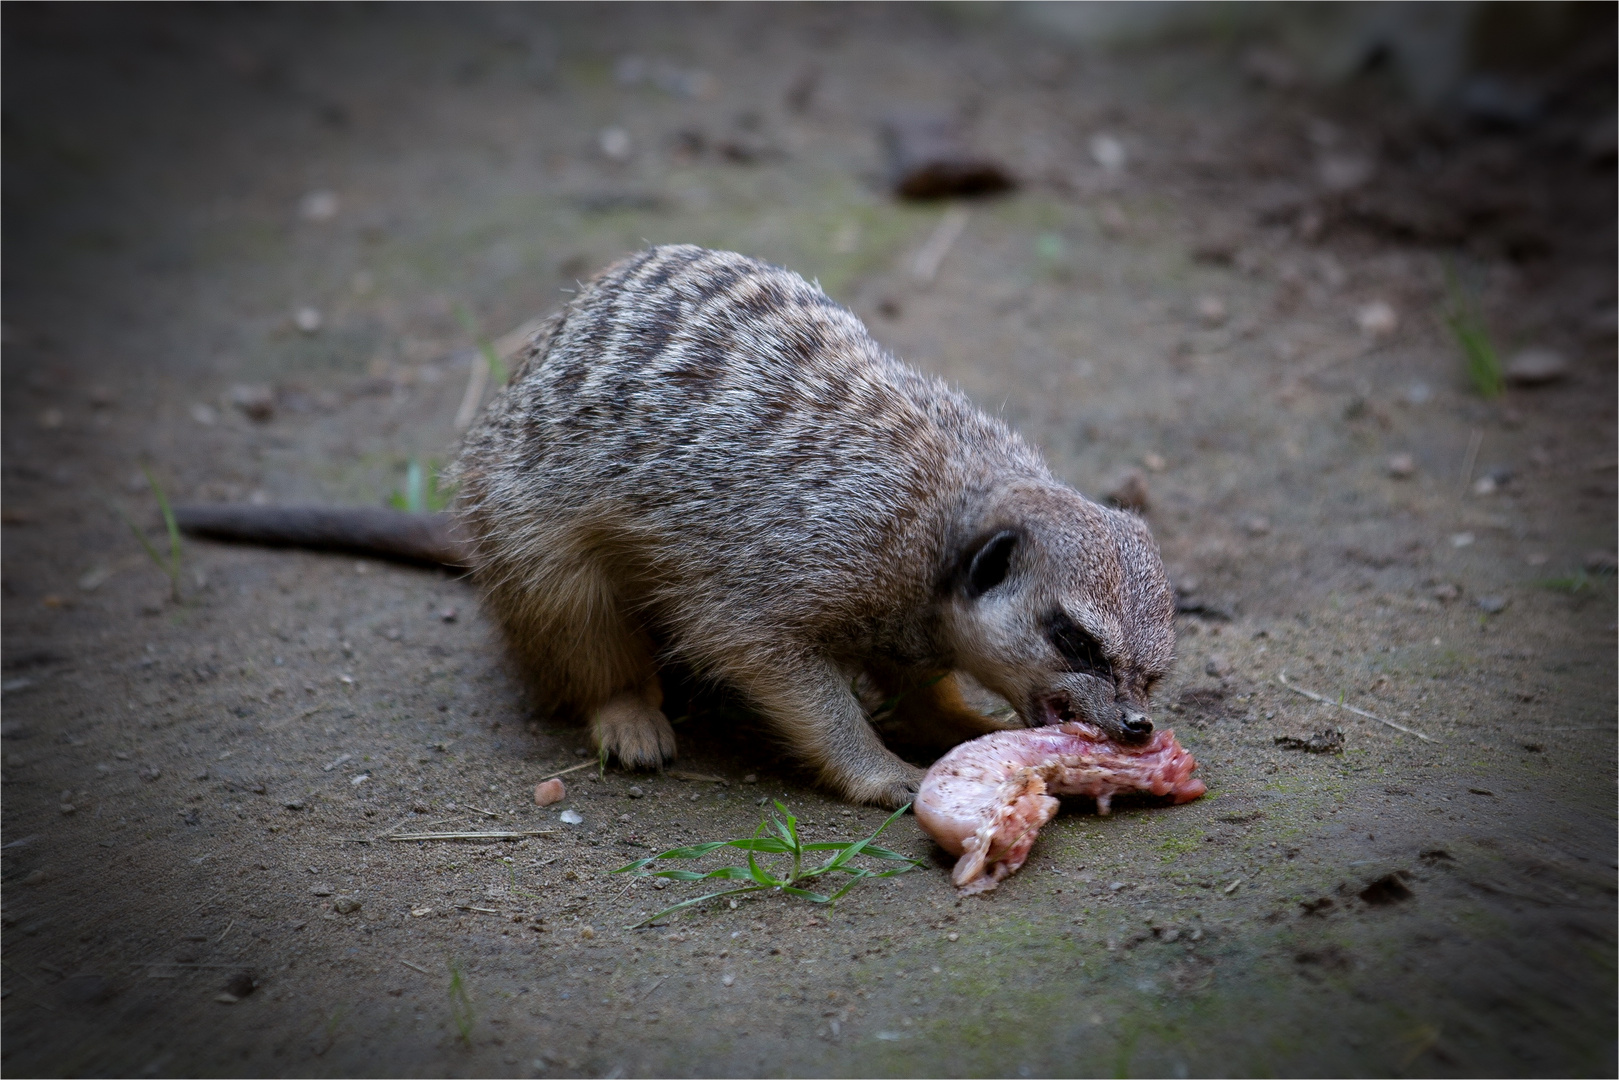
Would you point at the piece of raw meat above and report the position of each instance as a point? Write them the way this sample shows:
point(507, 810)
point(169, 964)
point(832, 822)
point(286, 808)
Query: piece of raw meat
point(986, 799)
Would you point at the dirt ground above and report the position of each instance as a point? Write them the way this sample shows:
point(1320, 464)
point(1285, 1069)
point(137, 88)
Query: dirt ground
point(1244, 307)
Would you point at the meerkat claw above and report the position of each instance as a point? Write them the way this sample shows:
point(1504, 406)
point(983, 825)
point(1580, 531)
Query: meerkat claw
point(634, 732)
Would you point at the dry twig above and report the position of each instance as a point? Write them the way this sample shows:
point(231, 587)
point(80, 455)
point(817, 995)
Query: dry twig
point(1281, 677)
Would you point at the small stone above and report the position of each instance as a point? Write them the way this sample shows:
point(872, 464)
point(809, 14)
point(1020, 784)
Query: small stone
point(551, 791)
point(204, 414)
point(1462, 539)
point(420, 912)
point(623, 819)
point(1445, 592)
point(294, 804)
point(1492, 605)
point(1154, 462)
point(635, 792)
point(1256, 526)
point(318, 206)
point(1377, 319)
point(1130, 493)
point(1109, 153)
point(67, 809)
point(1401, 466)
point(751, 778)
point(151, 773)
point(1601, 562)
point(1325, 741)
point(587, 932)
point(615, 144)
point(1485, 485)
point(345, 905)
point(1418, 393)
point(307, 319)
point(1536, 367)
point(952, 936)
point(255, 402)
point(571, 817)
point(727, 979)
point(1211, 311)
point(322, 890)
point(1218, 666)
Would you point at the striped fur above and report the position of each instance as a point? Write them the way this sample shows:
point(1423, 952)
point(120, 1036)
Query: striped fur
point(704, 458)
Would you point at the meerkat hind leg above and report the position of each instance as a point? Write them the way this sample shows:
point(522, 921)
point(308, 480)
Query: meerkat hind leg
point(632, 728)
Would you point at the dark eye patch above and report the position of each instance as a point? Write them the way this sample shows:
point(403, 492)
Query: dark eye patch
point(1082, 651)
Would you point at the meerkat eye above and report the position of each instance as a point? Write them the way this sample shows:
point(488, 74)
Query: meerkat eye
point(1077, 646)
point(990, 563)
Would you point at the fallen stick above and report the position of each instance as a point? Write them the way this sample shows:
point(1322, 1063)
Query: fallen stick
point(513, 835)
point(565, 772)
point(1281, 677)
point(925, 266)
point(414, 967)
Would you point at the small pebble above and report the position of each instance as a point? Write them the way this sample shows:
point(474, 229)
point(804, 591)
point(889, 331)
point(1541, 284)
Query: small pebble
point(1109, 153)
point(587, 931)
point(1536, 367)
point(952, 936)
point(635, 792)
point(551, 791)
point(727, 979)
point(1256, 525)
point(1418, 393)
point(1218, 665)
point(1154, 462)
point(751, 778)
point(322, 890)
point(204, 414)
point(307, 319)
point(1445, 592)
point(1401, 466)
point(1130, 493)
point(1462, 539)
point(571, 817)
point(255, 402)
point(345, 905)
point(1211, 311)
point(1492, 605)
point(318, 206)
point(623, 819)
point(1377, 319)
point(615, 144)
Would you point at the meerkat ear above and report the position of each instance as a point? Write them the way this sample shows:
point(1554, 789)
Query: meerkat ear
point(990, 563)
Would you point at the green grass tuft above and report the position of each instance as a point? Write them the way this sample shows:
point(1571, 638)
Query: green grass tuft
point(171, 565)
point(789, 870)
point(460, 1005)
point(421, 493)
point(497, 370)
point(1466, 325)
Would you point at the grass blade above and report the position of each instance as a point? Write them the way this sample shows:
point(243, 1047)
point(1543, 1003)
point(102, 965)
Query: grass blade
point(694, 900)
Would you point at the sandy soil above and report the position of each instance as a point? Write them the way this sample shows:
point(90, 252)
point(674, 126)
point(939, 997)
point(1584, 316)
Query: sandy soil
point(194, 791)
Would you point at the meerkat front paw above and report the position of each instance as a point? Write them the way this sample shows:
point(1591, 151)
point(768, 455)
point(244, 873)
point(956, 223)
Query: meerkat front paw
point(634, 732)
point(891, 788)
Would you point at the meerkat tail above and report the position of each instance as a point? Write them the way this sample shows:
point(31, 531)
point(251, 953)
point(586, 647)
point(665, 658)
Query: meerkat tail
point(433, 539)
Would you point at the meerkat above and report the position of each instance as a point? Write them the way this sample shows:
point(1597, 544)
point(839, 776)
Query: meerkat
point(704, 459)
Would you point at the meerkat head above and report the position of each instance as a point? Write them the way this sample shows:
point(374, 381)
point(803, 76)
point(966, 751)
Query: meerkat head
point(1063, 608)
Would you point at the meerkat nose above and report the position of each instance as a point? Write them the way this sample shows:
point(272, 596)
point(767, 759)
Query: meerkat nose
point(1134, 723)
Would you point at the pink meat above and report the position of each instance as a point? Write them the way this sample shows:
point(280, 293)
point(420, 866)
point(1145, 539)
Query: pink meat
point(986, 799)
